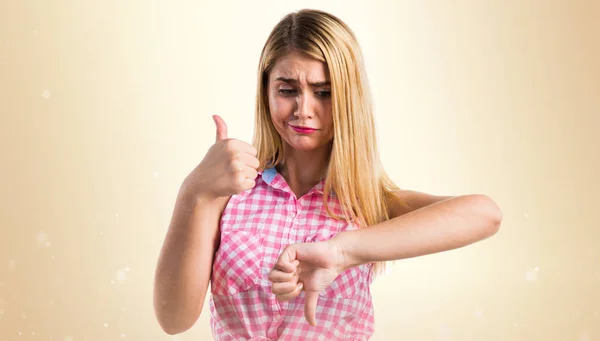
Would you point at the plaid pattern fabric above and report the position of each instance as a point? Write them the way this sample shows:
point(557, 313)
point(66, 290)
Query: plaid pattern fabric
point(255, 228)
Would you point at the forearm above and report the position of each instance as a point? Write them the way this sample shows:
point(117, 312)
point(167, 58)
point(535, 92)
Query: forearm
point(442, 226)
point(184, 267)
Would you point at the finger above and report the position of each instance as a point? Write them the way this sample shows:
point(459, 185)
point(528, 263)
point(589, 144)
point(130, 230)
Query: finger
point(249, 172)
point(283, 264)
point(310, 307)
point(248, 184)
point(221, 128)
point(282, 288)
point(290, 295)
point(243, 171)
point(244, 147)
point(249, 160)
point(250, 149)
point(280, 276)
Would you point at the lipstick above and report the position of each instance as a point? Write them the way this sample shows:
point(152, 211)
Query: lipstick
point(303, 130)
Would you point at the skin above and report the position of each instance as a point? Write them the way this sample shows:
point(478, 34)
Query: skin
point(429, 224)
point(185, 263)
point(300, 95)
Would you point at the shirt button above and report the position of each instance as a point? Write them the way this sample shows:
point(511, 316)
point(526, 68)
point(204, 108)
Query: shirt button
point(292, 214)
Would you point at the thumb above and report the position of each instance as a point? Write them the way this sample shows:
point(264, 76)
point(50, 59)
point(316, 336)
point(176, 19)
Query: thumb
point(310, 307)
point(221, 128)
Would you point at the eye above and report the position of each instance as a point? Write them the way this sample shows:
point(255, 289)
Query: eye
point(287, 92)
point(324, 94)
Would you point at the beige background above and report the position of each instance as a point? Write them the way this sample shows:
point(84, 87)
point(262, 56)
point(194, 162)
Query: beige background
point(106, 106)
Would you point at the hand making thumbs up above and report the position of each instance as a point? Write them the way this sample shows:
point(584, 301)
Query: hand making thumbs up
point(229, 167)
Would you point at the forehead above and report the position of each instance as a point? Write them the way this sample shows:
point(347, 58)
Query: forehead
point(300, 66)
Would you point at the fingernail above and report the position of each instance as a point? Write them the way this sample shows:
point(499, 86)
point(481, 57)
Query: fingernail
point(300, 285)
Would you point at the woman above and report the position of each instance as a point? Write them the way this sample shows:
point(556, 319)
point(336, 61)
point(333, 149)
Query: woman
point(290, 231)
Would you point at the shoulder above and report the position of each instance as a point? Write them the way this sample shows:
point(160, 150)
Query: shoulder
point(405, 201)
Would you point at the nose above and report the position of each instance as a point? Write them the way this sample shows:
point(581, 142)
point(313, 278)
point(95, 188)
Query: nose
point(304, 106)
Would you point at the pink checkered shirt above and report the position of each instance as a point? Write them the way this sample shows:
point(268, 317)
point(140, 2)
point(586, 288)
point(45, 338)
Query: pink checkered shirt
point(255, 228)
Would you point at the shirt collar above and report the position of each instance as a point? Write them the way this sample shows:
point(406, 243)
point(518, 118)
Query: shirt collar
point(273, 178)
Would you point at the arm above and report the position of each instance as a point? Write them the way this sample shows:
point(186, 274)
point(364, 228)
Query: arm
point(431, 224)
point(186, 259)
point(185, 263)
point(421, 224)
point(405, 201)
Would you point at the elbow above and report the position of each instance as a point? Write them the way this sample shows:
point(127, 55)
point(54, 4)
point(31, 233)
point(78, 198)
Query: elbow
point(173, 331)
point(495, 216)
point(494, 226)
point(171, 321)
point(173, 326)
point(170, 330)
point(492, 213)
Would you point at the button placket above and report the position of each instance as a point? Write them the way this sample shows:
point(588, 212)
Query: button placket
point(273, 331)
point(293, 208)
point(289, 221)
point(296, 211)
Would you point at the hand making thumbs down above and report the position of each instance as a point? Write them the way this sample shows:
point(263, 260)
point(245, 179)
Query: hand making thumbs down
point(308, 267)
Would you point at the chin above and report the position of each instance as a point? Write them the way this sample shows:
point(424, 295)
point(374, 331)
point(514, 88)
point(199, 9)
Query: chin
point(305, 146)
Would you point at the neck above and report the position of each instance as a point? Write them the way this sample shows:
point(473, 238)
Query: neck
point(302, 170)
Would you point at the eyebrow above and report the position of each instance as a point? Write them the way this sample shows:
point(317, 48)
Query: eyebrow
point(295, 81)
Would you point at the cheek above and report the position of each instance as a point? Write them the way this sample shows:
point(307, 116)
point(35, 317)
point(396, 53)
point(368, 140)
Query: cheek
point(328, 114)
point(280, 108)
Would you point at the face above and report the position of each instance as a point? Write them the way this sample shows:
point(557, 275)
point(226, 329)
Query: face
point(299, 92)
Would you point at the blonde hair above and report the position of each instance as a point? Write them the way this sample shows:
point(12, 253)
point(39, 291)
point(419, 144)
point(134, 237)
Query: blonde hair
point(354, 172)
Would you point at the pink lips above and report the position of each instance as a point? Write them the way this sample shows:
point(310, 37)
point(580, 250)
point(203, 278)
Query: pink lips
point(303, 130)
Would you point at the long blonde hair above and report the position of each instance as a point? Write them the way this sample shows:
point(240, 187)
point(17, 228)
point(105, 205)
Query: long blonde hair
point(354, 172)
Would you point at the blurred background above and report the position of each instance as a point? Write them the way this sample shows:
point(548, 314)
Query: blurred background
point(106, 106)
